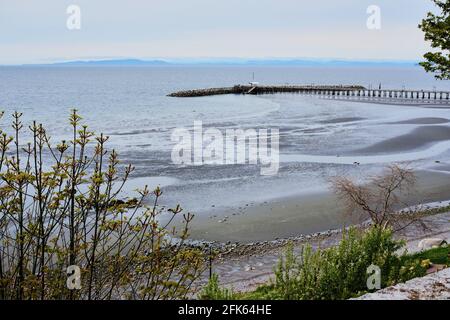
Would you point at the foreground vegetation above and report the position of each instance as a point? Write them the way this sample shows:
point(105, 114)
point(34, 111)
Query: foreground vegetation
point(435, 256)
point(65, 233)
point(339, 272)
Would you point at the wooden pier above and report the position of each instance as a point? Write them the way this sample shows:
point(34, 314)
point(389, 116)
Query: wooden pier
point(353, 92)
point(263, 89)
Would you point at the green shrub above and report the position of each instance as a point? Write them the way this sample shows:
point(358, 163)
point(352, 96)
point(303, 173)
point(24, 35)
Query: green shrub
point(338, 272)
point(60, 206)
point(213, 291)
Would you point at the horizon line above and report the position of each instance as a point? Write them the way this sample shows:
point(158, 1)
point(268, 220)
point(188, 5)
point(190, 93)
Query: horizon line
point(214, 61)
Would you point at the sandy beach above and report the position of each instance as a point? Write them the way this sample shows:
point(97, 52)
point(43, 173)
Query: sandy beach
point(301, 215)
point(418, 138)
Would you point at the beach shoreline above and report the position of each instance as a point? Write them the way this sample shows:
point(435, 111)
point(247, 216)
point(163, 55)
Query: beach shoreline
point(297, 216)
point(244, 267)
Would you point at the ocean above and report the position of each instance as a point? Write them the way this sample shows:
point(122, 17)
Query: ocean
point(319, 138)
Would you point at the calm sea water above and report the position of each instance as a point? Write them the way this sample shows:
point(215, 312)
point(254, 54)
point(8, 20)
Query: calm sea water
point(130, 105)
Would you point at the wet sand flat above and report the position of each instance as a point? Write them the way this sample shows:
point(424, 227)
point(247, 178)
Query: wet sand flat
point(429, 120)
point(417, 138)
point(342, 120)
point(302, 214)
point(443, 167)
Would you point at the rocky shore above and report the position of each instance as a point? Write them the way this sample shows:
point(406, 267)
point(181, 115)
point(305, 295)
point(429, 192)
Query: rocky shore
point(235, 249)
point(244, 266)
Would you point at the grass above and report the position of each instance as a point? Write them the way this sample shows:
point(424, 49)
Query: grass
point(436, 255)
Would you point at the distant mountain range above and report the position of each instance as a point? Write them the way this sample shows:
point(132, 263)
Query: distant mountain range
point(106, 63)
point(225, 61)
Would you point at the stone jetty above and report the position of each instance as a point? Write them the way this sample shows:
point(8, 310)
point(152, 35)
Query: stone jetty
point(347, 92)
point(263, 89)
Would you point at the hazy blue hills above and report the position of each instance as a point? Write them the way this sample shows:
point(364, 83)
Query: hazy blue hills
point(228, 61)
point(106, 63)
point(318, 62)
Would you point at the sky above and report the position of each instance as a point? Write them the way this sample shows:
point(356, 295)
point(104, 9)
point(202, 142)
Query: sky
point(36, 31)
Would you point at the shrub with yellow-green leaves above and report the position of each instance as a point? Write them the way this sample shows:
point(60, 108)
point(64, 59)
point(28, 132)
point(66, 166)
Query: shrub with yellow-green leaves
point(60, 207)
point(335, 273)
point(341, 272)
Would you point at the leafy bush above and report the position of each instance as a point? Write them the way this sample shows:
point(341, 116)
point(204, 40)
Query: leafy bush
point(339, 272)
point(60, 207)
point(213, 291)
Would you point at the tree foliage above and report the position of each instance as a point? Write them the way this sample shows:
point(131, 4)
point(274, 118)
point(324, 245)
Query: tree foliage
point(437, 30)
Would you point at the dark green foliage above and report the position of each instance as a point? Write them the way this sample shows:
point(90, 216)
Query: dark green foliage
point(437, 30)
point(335, 273)
point(213, 291)
point(341, 272)
point(436, 255)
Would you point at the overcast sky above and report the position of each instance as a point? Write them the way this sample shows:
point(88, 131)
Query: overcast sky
point(35, 31)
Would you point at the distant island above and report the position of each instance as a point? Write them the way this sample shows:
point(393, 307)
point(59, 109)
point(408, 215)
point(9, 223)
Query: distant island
point(229, 62)
point(106, 63)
